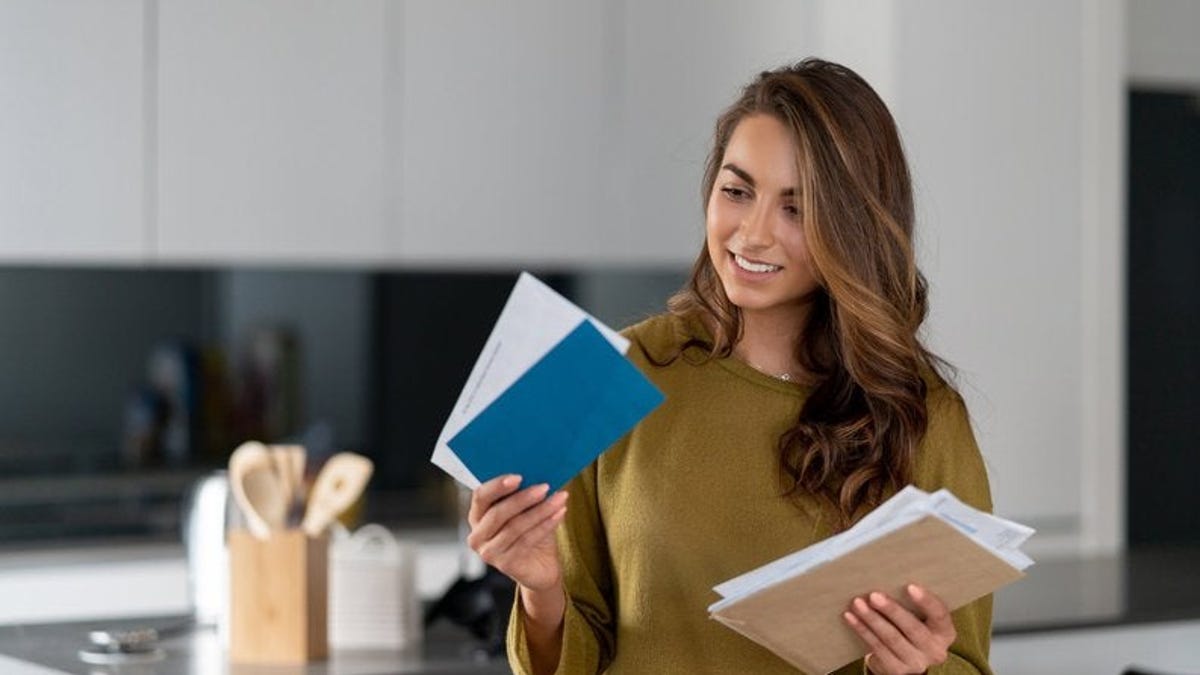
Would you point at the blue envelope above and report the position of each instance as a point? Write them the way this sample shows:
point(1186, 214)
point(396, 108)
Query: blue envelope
point(570, 406)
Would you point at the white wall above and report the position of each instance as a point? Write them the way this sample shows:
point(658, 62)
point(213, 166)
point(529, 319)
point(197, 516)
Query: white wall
point(1164, 48)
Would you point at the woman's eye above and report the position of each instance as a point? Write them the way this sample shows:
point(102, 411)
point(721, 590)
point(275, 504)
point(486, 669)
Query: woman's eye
point(792, 211)
point(734, 193)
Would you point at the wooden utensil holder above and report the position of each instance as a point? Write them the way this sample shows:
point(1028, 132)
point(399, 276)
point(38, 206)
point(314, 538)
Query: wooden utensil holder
point(279, 597)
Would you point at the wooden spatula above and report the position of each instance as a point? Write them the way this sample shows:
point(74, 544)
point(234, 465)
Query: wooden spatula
point(339, 483)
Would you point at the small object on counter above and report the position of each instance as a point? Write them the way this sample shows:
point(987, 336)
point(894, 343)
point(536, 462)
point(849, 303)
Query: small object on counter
point(279, 596)
point(205, 514)
point(373, 601)
point(120, 647)
point(340, 482)
point(481, 606)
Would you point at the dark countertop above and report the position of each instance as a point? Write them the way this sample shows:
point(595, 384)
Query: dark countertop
point(1145, 585)
point(446, 650)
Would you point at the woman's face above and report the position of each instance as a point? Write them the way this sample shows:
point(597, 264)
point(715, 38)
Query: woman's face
point(755, 236)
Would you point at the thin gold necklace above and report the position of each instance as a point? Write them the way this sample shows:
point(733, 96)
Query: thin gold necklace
point(786, 377)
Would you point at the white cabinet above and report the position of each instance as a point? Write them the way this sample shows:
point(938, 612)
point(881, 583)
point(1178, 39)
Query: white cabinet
point(1009, 114)
point(72, 131)
point(273, 134)
point(506, 116)
point(541, 131)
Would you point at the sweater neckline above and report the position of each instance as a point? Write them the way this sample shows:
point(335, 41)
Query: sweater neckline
point(748, 372)
point(694, 326)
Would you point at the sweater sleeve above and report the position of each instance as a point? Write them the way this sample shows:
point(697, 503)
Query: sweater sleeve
point(588, 640)
point(950, 458)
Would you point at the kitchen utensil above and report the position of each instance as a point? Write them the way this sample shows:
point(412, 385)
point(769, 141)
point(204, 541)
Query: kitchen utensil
point(290, 461)
point(267, 494)
point(255, 487)
point(282, 470)
point(338, 485)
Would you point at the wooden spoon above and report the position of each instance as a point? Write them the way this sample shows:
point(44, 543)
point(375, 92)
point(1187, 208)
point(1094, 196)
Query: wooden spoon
point(256, 488)
point(338, 485)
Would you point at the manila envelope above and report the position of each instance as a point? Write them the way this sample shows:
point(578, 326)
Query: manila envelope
point(800, 619)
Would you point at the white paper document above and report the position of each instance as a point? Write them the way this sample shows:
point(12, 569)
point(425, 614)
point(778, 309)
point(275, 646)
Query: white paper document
point(533, 321)
point(999, 536)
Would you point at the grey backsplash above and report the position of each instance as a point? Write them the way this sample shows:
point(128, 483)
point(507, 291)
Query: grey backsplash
point(380, 357)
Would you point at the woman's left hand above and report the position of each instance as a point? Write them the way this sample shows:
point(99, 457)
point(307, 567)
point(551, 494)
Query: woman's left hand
point(900, 642)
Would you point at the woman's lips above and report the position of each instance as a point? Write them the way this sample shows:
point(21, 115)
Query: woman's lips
point(753, 267)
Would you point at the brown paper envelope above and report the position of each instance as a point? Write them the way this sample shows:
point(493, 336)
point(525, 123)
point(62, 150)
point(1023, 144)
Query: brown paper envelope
point(800, 619)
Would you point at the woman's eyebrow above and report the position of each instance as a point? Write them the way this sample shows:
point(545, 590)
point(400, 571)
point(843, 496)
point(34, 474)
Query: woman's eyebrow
point(741, 173)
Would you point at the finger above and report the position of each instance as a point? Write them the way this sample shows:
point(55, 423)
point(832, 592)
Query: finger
point(500, 512)
point(887, 633)
point(516, 528)
point(488, 493)
point(533, 536)
point(937, 615)
point(882, 658)
point(912, 627)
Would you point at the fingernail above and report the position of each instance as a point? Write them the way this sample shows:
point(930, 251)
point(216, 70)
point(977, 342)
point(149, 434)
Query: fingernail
point(878, 600)
point(850, 618)
point(542, 489)
point(915, 591)
point(511, 481)
point(561, 497)
point(860, 604)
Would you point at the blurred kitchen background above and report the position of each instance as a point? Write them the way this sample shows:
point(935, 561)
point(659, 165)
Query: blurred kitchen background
point(297, 221)
point(127, 385)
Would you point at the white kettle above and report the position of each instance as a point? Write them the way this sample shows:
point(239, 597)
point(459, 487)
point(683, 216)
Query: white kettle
point(205, 517)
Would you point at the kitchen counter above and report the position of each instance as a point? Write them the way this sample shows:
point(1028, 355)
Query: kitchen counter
point(1143, 588)
point(446, 650)
point(1149, 585)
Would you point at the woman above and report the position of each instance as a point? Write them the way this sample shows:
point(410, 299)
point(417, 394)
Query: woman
point(798, 398)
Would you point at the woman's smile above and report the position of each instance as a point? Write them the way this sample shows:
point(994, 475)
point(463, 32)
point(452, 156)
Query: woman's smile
point(755, 267)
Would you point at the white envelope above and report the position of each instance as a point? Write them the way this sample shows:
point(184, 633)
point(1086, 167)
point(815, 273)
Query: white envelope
point(533, 321)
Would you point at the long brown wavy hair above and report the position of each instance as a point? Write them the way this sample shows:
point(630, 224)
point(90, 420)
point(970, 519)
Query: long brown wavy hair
point(858, 431)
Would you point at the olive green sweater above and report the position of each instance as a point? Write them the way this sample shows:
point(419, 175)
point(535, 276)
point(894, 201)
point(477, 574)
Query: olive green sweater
point(690, 498)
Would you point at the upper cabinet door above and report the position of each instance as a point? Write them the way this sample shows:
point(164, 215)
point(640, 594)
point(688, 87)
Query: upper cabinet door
point(72, 148)
point(507, 111)
point(272, 131)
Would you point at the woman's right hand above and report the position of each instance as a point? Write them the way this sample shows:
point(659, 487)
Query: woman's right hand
point(514, 531)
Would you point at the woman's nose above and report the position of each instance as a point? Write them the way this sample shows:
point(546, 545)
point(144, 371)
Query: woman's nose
point(755, 230)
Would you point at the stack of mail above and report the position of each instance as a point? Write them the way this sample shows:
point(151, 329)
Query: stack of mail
point(793, 606)
point(550, 391)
